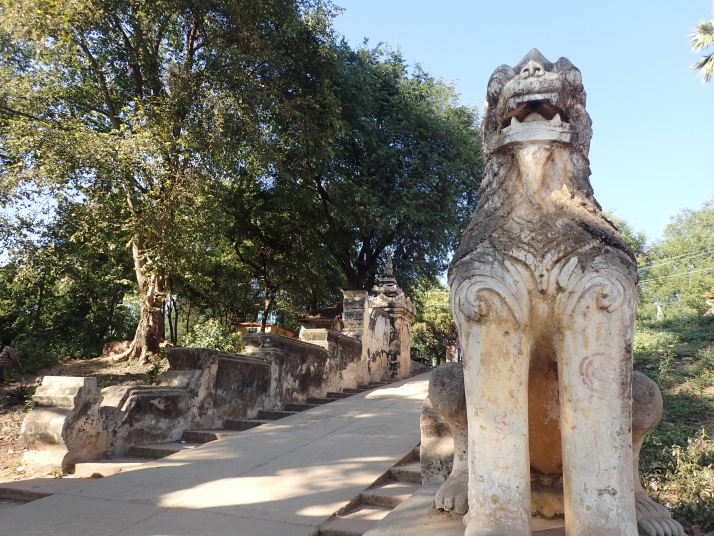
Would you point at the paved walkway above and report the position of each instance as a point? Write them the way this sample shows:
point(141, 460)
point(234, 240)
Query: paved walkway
point(280, 479)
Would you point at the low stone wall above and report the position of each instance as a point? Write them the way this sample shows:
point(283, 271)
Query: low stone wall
point(330, 361)
point(143, 415)
point(226, 386)
point(201, 390)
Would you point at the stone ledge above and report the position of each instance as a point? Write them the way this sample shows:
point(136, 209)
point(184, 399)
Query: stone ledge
point(416, 517)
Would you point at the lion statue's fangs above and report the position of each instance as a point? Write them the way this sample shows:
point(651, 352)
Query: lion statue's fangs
point(543, 292)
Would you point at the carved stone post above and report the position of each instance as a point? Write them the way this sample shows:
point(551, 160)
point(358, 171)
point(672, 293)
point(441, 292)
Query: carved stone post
point(392, 300)
point(353, 312)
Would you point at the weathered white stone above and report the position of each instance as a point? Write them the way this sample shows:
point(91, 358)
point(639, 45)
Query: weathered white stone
point(389, 298)
point(437, 451)
point(183, 379)
point(65, 425)
point(543, 294)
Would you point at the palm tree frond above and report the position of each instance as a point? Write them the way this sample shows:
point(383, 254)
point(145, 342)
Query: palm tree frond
point(705, 67)
point(703, 36)
point(701, 39)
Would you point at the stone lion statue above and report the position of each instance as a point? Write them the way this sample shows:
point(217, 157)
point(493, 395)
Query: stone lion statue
point(543, 292)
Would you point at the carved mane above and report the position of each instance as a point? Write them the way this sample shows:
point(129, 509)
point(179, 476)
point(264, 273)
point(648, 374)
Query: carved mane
point(537, 104)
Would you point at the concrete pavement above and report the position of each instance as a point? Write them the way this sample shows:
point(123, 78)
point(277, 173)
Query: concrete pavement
point(280, 479)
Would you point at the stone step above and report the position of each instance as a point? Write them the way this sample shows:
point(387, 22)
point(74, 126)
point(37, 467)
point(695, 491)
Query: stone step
point(65, 401)
point(321, 400)
point(299, 407)
point(206, 436)
point(409, 472)
point(333, 394)
point(389, 495)
point(356, 391)
point(274, 414)
point(240, 425)
point(159, 450)
point(102, 468)
point(355, 522)
point(24, 491)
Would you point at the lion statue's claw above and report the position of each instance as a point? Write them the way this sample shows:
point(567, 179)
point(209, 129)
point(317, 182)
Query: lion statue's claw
point(654, 519)
point(453, 494)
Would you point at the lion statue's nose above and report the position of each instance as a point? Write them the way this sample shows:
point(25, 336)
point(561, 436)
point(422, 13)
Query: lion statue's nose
point(532, 68)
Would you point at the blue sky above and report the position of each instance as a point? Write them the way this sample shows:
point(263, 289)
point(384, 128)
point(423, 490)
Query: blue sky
point(651, 154)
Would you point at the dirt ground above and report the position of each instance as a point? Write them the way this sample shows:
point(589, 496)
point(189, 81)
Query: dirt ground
point(13, 411)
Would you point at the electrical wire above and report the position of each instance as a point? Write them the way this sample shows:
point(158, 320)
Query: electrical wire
point(684, 256)
point(677, 275)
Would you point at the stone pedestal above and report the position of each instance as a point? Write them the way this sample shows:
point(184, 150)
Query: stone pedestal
point(353, 313)
point(65, 425)
point(391, 299)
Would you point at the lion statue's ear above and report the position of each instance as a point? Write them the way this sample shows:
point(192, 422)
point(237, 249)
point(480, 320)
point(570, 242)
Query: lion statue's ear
point(570, 72)
point(495, 84)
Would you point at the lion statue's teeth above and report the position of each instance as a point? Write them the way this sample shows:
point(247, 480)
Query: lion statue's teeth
point(533, 116)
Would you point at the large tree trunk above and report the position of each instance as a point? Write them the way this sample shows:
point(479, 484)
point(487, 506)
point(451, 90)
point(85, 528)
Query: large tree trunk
point(152, 292)
point(267, 304)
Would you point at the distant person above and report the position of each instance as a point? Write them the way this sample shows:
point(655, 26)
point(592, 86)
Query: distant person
point(7, 356)
point(457, 345)
point(338, 324)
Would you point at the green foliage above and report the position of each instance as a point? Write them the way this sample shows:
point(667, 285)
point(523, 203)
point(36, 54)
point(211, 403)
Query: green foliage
point(210, 334)
point(402, 173)
point(63, 289)
point(679, 272)
point(677, 456)
point(146, 109)
point(688, 481)
point(277, 241)
point(433, 329)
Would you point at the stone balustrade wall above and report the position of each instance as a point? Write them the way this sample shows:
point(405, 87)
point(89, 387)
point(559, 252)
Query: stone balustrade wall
point(201, 390)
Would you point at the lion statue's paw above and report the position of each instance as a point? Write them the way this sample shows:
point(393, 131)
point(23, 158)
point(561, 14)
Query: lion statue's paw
point(453, 494)
point(654, 519)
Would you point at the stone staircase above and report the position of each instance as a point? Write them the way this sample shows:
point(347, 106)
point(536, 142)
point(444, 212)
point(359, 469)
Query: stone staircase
point(373, 504)
point(139, 454)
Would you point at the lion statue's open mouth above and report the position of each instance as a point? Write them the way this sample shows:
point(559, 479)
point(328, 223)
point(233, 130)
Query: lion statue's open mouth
point(536, 101)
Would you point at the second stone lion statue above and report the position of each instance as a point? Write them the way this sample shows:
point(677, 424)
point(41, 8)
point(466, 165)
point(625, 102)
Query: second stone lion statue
point(543, 292)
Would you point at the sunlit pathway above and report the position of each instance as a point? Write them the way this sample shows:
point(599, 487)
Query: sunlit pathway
point(283, 478)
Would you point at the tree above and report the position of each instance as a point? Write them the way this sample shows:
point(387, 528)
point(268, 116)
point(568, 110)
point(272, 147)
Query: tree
point(635, 240)
point(276, 240)
point(433, 329)
point(152, 105)
point(681, 268)
point(702, 39)
point(63, 290)
point(402, 172)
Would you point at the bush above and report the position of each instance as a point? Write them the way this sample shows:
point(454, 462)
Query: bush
point(210, 334)
point(35, 352)
point(691, 482)
point(677, 458)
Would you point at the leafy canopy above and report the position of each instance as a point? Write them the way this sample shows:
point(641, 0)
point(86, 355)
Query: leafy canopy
point(403, 170)
point(680, 270)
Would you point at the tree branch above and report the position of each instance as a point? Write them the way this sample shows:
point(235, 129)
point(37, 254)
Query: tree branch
point(113, 117)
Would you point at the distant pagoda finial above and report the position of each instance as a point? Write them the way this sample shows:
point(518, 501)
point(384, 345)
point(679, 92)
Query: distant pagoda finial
point(389, 267)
